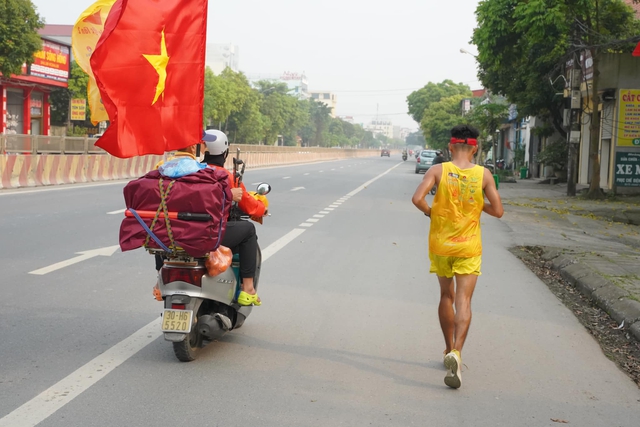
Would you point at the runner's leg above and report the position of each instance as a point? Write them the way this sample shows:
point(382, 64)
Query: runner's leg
point(445, 311)
point(465, 285)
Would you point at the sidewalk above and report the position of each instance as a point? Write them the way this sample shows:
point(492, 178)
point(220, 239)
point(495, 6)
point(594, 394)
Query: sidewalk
point(594, 244)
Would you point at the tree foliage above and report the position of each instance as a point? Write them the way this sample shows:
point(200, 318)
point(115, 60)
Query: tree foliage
point(438, 120)
point(419, 101)
point(19, 39)
point(267, 113)
point(525, 45)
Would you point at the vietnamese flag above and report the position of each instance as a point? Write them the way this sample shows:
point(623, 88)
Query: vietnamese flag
point(149, 67)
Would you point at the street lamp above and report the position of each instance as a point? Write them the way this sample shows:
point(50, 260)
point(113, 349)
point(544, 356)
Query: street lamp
point(462, 50)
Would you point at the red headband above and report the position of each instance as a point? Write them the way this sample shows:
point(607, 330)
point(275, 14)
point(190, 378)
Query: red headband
point(468, 141)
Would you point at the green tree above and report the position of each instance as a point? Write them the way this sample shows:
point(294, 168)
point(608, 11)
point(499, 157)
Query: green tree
point(438, 120)
point(248, 124)
point(420, 100)
point(320, 115)
point(523, 45)
point(19, 39)
point(223, 95)
point(487, 118)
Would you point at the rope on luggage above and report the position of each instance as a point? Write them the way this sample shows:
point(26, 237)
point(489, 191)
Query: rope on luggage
point(162, 207)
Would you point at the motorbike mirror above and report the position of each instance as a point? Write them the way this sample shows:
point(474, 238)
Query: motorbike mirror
point(263, 188)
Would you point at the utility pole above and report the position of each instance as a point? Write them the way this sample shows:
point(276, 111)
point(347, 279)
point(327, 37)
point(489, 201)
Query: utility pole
point(573, 128)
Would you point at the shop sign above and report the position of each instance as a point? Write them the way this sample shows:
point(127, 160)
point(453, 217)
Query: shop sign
point(627, 169)
point(52, 62)
point(629, 118)
point(78, 109)
point(35, 104)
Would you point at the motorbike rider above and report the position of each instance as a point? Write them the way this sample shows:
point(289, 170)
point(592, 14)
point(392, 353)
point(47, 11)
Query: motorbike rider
point(240, 236)
point(439, 158)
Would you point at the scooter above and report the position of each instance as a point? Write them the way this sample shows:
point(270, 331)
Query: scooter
point(404, 156)
point(199, 308)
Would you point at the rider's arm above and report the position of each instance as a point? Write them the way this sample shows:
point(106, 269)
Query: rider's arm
point(250, 205)
point(425, 186)
point(494, 205)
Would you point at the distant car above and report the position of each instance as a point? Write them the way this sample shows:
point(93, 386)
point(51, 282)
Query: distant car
point(385, 152)
point(425, 160)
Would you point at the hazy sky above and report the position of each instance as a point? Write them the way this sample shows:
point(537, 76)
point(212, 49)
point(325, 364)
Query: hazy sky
point(370, 53)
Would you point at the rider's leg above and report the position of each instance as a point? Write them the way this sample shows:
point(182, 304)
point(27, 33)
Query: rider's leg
point(241, 238)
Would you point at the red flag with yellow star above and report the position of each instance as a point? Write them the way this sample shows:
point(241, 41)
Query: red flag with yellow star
point(149, 67)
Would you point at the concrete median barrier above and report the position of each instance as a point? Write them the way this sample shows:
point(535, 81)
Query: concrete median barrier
point(34, 170)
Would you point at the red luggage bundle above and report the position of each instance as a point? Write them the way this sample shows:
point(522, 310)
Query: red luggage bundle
point(206, 193)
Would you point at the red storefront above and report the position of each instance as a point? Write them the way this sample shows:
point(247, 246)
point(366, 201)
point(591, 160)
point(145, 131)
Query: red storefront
point(25, 98)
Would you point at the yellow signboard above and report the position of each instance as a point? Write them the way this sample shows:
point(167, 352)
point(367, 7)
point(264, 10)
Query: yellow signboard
point(629, 118)
point(78, 109)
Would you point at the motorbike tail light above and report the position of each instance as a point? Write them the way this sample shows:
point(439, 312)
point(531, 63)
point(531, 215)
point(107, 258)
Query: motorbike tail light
point(189, 275)
point(178, 306)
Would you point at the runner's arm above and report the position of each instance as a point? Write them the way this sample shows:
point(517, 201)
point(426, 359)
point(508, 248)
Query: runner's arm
point(425, 186)
point(494, 205)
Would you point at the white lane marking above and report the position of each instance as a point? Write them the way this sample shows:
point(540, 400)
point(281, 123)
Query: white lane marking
point(55, 397)
point(305, 224)
point(338, 202)
point(256, 183)
point(312, 220)
point(64, 391)
point(119, 211)
point(286, 177)
point(319, 216)
point(329, 209)
point(280, 243)
point(306, 174)
point(333, 169)
point(108, 251)
point(363, 186)
point(341, 167)
point(14, 192)
point(334, 206)
point(325, 212)
point(321, 171)
point(297, 188)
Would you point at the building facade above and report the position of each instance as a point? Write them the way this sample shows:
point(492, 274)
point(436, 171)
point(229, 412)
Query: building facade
point(222, 55)
point(327, 98)
point(381, 127)
point(25, 97)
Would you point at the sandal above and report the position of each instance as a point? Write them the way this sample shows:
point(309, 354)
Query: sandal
point(248, 299)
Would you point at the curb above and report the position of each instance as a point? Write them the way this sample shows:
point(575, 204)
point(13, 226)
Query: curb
point(624, 216)
point(609, 297)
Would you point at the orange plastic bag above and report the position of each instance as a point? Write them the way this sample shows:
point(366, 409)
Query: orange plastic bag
point(218, 261)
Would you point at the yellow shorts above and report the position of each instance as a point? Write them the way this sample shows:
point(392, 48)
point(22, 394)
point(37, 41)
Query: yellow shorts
point(449, 266)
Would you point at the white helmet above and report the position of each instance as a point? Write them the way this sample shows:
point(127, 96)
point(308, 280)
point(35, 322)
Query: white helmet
point(216, 141)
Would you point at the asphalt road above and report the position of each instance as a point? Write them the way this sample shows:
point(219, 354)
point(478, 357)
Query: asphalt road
point(347, 333)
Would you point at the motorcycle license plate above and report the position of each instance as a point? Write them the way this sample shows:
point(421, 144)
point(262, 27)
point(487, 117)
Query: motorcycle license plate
point(177, 321)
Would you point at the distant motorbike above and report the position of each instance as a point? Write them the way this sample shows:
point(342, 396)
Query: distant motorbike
point(199, 308)
point(404, 156)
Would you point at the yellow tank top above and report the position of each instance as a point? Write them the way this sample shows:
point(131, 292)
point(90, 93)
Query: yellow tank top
point(455, 214)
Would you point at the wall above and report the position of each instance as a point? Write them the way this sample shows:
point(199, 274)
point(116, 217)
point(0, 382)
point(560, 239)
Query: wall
point(17, 170)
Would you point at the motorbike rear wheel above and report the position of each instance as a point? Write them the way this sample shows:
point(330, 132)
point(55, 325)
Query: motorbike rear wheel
point(187, 350)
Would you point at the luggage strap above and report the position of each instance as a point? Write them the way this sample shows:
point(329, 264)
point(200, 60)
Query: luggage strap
point(162, 207)
point(148, 230)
